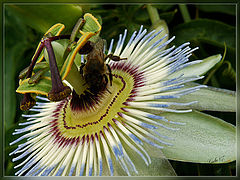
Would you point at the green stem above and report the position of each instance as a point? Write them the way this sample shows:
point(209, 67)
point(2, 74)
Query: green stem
point(153, 14)
point(209, 76)
point(212, 72)
point(214, 81)
point(185, 13)
point(229, 72)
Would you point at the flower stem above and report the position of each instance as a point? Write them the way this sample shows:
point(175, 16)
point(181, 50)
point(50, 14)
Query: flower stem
point(153, 14)
point(184, 12)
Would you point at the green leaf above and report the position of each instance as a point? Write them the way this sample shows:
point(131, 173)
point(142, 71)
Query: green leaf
point(210, 99)
point(204, 138)
point(163, 7)
point(226, 8)
point(9, 89)
point(141, 15)
point(198, 69)
point(168, 16)
point(199, 30)
point(16, 46)
point(41, 17)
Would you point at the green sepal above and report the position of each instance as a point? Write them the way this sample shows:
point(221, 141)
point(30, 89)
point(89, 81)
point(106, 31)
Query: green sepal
point(203, 139)
point(90, 29)
point(198, 69)
point(55, 30)
point(91, 24)
point(42, 87)
point(159, 166)
point(71, 56)
point(209, 99)
point(59, 48)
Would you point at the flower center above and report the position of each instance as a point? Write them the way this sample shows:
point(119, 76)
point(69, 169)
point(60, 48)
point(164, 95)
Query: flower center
point(88, 113)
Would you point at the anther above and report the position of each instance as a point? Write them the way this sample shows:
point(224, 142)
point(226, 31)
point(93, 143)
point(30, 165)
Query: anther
point(27, 102)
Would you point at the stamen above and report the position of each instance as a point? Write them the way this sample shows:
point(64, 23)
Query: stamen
point(84, 155)
point(91, 155)
point(59, 91)
point(27, 102)
point(111, 142)
point(76, 156)
point(107, 153)
point(148, 160)
point(42, 98)
point(99, 155)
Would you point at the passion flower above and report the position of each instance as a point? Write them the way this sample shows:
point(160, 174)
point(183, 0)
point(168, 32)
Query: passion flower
point(91, 134)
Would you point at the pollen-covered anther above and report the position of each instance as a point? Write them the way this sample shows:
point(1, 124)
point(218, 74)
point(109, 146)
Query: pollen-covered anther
point(27, 103)
point(59, 94)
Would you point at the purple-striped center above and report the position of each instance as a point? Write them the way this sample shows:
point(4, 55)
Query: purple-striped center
point(87, 100)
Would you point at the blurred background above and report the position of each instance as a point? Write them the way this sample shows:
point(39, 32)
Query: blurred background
point(210, 27)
